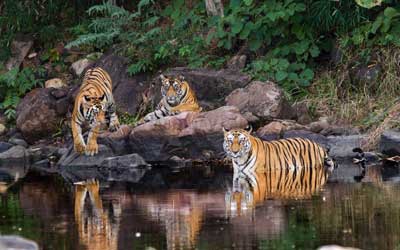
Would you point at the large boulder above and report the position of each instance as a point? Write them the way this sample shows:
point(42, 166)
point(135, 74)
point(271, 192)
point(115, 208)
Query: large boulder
point(390, 143)
point(196, 136)
point(15, 153)
point(211, 86)
point(40, 112)
point(261, 101)
point(19, 50)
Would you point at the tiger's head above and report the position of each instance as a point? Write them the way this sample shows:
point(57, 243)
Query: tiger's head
point(93, 108)
point(173, 89)
point(237, 144)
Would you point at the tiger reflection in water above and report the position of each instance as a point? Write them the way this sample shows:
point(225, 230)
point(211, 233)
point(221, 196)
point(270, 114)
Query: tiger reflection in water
point(280, 169)
point(96, 227)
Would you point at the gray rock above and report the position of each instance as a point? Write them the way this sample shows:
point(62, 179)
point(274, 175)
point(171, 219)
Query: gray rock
point(237, 62)
point(15, 153)
point(302, 113)
point(318, 126)
point(39, 114)
point(278, 127)
point(19, 50)
point(17, 141)
point(390, 143)
point(320, 139)
point(125, 161)
point(4, 146)
point(73, 159)
point(365, 73)
point(79, 66)
point(342, 146)
point(12, 242)
point(260, 101)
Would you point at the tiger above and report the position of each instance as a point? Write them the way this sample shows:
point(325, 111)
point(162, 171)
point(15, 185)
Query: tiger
point(252, 188)
point(177, 97)
point(94, 104)
point(251, 154)
point(97, 228)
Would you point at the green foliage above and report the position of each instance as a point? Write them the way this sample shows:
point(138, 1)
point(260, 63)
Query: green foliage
point(368, 3)
point(15, 84)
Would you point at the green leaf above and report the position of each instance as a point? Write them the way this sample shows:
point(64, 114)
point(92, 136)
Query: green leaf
point(376, 24)
point(255, 44)
point(237, 27)
point(390, 12)
point(307, 74)
point(248, 2)
point(248, 27)
point(368, 3)
point(281, 75)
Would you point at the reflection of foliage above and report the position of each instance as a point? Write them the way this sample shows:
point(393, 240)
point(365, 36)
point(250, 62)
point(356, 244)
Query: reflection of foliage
point(301, 234)
point(14, 221)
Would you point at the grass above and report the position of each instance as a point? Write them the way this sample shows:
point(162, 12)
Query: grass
point(372, 106)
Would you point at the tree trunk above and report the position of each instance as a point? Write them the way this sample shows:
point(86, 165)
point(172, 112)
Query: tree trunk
point(214, 7)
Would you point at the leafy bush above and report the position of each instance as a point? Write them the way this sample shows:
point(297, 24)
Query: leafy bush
point(14, 85)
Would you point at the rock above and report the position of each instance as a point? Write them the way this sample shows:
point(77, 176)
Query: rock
point(278, 127)
point(302, 113)
point(318, 126)
point(339, 130)
point(79, 66)
point(17, 141)
point(125, 161)
point(3, 129)
point(342, 146)
point(390, 143)
point(320, 139)
point(4, 146)
point(14, 153)
point(32, 55)
point(19, 50)
point(260, 101)
point(128, 91)
point(42, 152)
point(39, 114)
point(187, 135)
point(237, 62)
point(73, 159)
point(11, 242)
point(365, 73)
point(211, 86)
point(55, 83)
point(336, 247)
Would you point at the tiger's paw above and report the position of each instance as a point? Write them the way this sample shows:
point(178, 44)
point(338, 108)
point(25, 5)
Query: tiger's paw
point(93, 186)
point(92, 149)
point(79, 148)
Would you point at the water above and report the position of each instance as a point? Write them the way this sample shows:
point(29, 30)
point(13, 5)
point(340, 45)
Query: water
point(203, 208)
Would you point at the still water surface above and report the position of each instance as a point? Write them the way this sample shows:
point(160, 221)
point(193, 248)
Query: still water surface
point(204, 208)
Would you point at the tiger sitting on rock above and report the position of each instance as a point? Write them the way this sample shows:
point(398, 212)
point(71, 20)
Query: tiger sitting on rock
point(177, 97)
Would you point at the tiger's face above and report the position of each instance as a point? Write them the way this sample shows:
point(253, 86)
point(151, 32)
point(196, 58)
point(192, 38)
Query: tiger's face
point(94, 109)
point(173, 89)
point(237, 143)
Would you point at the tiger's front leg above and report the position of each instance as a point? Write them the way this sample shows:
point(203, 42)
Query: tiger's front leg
point(79, 143)
point(92, 147)
point(114, 122)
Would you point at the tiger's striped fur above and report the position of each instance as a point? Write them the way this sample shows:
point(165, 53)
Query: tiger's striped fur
point(250, 189)
point(94, 104)
point(177, 97)
point(250, 154)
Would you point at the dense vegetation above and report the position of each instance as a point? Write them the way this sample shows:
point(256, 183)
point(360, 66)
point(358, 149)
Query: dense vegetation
point(288, 41)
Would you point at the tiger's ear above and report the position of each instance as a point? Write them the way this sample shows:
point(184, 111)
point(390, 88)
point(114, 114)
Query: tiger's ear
point(102, 97)
point(181, 78)
point(249, 128)
point(224, 130)
point(163, 78)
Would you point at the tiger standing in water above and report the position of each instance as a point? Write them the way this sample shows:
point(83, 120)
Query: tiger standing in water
point(94, 104)
point(177, 97)
point(250, 154)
